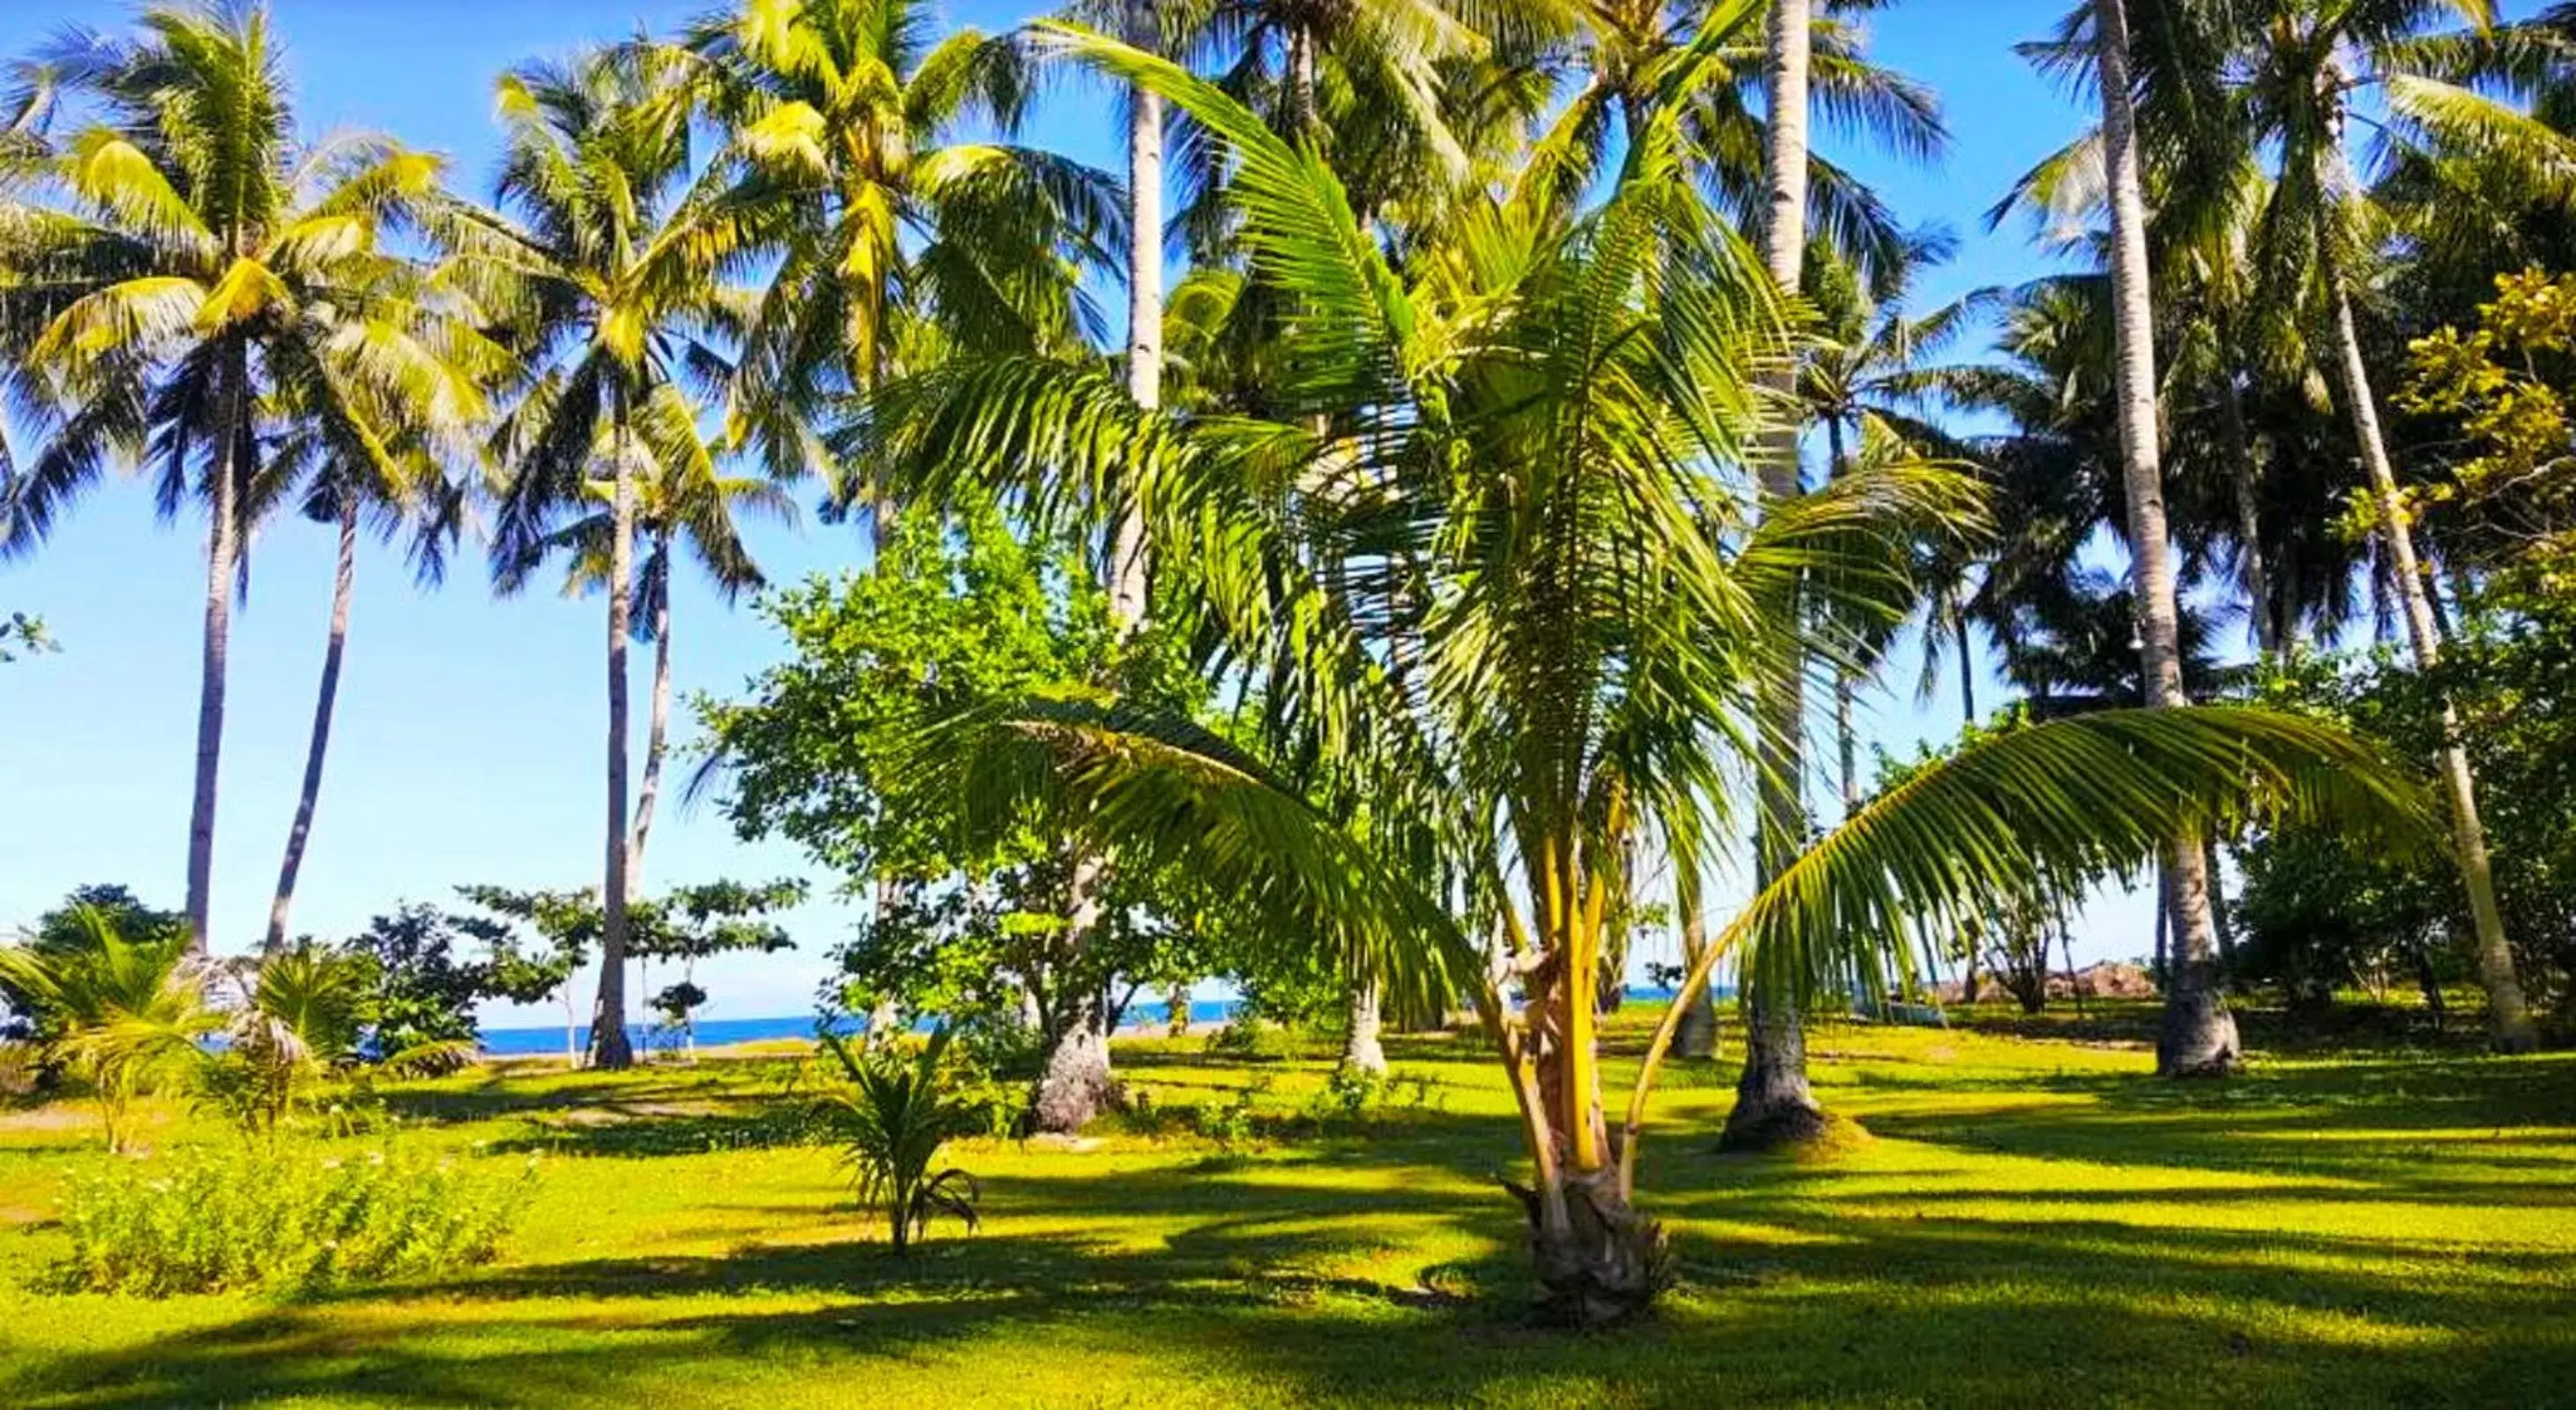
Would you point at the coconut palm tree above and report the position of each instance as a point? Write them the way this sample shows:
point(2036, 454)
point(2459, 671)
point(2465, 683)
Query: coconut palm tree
point(1546, 437)
point(124, 1011)
point(613, 285)
point(2302, 63)
point(190, 282)
point(841, 151)
point(1625, 48)
point(425, 435)
point(2199, 1034)
point(683, 500)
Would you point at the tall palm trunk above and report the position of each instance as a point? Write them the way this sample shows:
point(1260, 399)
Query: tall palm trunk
point(1076, 1081)
point(1773, 1103)
point(1967, 670)
point(325, 700)
point(2246, 479)
point(2509, 1027)
point(2199, 1035)
point(1846, 737)
point(1696, 1038)
point(223, 556)
point(657, 729)
point(609, 1047)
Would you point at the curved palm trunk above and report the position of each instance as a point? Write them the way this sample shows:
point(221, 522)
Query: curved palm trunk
point(657, 728)
point(1076, 1081)
point(2508, 1017)
point(2199, 1034)
point(325, 700)
point(609, 1047)
point(1967, 671)
point(1773, 1099)
point(223, 552)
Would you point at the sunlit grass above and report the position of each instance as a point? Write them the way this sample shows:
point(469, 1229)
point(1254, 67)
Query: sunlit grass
point(2034, 1221)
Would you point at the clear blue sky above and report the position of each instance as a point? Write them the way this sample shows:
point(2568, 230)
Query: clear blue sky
point(467, 745)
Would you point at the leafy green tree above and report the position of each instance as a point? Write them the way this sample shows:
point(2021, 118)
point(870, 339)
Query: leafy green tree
point(1554, 668)
point(426, 983)
point(683, 925)
point(191, 283)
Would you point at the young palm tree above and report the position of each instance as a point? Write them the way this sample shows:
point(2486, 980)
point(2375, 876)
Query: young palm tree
point(192, 283)
point(125, 1011)
point(610, 282)
point(1546, 436)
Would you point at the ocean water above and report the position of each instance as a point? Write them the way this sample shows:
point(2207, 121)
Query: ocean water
point(713, 1032)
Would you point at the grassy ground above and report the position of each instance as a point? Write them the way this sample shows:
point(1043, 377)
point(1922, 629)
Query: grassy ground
point(2036, 1221)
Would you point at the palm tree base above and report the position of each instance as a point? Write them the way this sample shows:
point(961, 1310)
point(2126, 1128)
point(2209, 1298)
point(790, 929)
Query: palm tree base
point(1757, 1126)
point(2199, 1038)
point(609, 1049)
point(1077, 1084)
point(1606, 1266)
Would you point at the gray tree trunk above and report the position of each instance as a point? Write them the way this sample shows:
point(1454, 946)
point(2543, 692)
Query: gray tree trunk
point(2199, 1034)
point(2246, 478)
point(1695, 1037)
point(2509, 1027)
point(657, 728)
point(1077, 1080)
point(609, 1047)
point(1361, 1050)
point(1774, 1106)
point(1772, 1100)
point(223, 552)
point(325, 701)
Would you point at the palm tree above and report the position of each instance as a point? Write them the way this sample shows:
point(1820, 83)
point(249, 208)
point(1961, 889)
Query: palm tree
point(898, 243)
point(1774, 1104)
point(1561, 432)
point(612, 283)
point(1626, 48)
point(124, 1011)
point(2308, 58)
point(188, 277)
point(841, 150)
point(683, 499)
point(1869, 379)
point(2199, 1034)
point(443, 407)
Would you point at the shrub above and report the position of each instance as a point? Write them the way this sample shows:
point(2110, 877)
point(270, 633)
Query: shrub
point(900, 1112)
point(223, 1221)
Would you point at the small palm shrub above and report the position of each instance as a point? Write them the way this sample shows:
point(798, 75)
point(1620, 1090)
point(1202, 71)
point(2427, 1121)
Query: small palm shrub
point(226, 1221)
point(900, 1109)
point(124, 1014)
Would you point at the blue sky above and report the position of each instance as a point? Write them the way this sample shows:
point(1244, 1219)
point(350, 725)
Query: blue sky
point(467, 744)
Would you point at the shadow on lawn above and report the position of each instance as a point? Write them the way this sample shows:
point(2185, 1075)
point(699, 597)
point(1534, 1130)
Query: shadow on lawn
point(1802, 1282)
point(1869, 1310)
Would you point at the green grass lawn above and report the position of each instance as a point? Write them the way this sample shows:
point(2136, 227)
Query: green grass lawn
point(2037, 1221)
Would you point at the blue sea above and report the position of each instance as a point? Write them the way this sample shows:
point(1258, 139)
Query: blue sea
point(714, 1032)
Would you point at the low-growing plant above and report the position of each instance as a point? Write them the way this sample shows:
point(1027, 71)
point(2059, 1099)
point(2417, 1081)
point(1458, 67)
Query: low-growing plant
point(217, 1221)
point(901, 1110)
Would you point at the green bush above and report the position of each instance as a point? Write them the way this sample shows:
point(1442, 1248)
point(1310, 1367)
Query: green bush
point(214, 1221)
